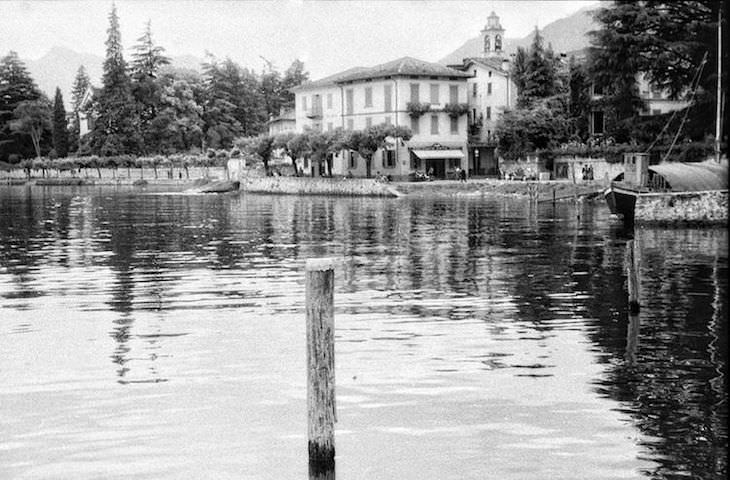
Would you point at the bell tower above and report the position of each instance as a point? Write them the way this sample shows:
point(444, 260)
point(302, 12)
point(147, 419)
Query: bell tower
point(492, 38)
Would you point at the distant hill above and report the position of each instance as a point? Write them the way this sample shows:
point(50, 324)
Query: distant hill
point(58, 68)
point(565, 35)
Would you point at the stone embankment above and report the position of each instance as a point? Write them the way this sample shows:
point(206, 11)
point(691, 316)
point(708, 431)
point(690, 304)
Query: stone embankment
point(682, 208)
point(543, 190)
point(318, 186)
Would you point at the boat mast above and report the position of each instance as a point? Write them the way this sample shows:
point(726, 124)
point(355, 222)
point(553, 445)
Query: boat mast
point(719, 82)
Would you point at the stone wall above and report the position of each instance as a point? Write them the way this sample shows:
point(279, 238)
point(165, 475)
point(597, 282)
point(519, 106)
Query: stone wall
point(681, 207)
point(318, 186)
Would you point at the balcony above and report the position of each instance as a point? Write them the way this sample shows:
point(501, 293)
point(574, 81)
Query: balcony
point(314, 112)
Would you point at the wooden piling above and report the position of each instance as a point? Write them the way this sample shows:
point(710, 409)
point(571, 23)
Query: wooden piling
point(553, 195)
point(319, 277)
point(632, 338)
point(632, 266)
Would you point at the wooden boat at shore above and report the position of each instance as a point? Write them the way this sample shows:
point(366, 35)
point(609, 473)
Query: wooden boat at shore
point(669, 180)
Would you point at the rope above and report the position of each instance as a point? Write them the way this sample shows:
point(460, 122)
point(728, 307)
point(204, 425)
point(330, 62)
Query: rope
point(695, 82)
point(686, 112)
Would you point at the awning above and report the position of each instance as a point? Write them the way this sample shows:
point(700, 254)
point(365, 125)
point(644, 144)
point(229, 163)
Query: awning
point(429, 154)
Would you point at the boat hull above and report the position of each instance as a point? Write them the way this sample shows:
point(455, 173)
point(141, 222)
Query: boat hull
point(621, 201)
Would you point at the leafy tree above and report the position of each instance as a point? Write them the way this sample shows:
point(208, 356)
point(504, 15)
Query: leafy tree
point(294, 76)
point(543, 127)
point(367, 142)
point(16, 86)
point(666, 41)
point(282, 141)
point(260, 147)
point(32, 118)
point(60, 125)
point(115, 130)
point(178, 125)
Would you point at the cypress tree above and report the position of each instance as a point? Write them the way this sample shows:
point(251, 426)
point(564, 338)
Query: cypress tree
point(60, 125)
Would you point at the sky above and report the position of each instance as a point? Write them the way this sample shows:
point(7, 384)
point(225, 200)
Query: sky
point(328, 36)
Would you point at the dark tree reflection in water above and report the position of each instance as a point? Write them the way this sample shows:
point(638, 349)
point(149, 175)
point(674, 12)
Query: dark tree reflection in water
point(160, 336)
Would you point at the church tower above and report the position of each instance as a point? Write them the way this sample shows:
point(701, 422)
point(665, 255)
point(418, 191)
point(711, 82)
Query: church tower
point(492, 38)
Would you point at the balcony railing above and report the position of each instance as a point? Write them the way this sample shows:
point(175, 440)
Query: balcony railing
point(314, 112)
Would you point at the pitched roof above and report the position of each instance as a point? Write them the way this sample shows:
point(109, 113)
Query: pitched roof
point(401, 66)
point(330, 80)
point(492, 63)
point(404, 66)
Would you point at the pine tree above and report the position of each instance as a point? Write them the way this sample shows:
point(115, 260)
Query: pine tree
point(148, 58)
point(540, 75)
point(16, 86)
point(115, 130)
point(221, 124)
point(60, 126)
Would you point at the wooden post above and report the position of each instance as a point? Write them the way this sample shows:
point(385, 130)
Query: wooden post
point(553, 195)
point(320, 280)
point(632, 266)
point(632, 338)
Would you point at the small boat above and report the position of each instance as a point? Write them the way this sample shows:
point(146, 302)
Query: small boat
point(221, 186)
point(665, 181)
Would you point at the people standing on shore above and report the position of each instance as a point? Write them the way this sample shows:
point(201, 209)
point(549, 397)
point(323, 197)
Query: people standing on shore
point(462, 175)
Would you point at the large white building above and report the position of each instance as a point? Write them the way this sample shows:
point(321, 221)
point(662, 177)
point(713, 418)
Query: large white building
point(491, 91)
point(429, 98)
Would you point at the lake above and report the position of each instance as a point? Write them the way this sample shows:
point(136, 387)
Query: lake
point(154, 335)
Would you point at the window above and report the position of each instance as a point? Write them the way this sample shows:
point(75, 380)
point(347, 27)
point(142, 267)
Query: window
point(453, 94)
point(368, 122)
point(389, 158)
point(350, 124)
point(597, 122)
point(304, 103)
point(454, 124)
point(489, 113)
point(414, 125)
point(368, 97)
point(329, 126)
point(387, 94)
point(474, 89)
point(349, 101)
point(434, 124)
point(489, 74)
point(435, 93)
point(497, 43)
point(329, 100)
point(489, 88)
point(415, 94)
point(487, 46)
point(351, 160)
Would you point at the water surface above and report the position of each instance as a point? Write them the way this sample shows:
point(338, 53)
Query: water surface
point(162, 336)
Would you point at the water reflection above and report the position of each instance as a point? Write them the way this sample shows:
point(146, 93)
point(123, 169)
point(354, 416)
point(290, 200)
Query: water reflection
point(473, 335)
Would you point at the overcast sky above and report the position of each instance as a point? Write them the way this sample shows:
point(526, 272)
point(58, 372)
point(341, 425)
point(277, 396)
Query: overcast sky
point(329, 36)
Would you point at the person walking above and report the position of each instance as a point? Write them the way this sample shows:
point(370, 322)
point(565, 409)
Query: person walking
point(462, 175)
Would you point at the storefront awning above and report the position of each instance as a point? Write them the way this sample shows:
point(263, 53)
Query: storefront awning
point(429, 154)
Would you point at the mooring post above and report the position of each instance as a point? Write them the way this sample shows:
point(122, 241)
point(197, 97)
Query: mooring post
point(553, 195)
point(633, 276)
point(319, 292)
point(632, 338)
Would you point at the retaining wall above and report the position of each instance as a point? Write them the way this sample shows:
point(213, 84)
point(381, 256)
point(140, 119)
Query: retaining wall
point(689, 207)
point(317, 186)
